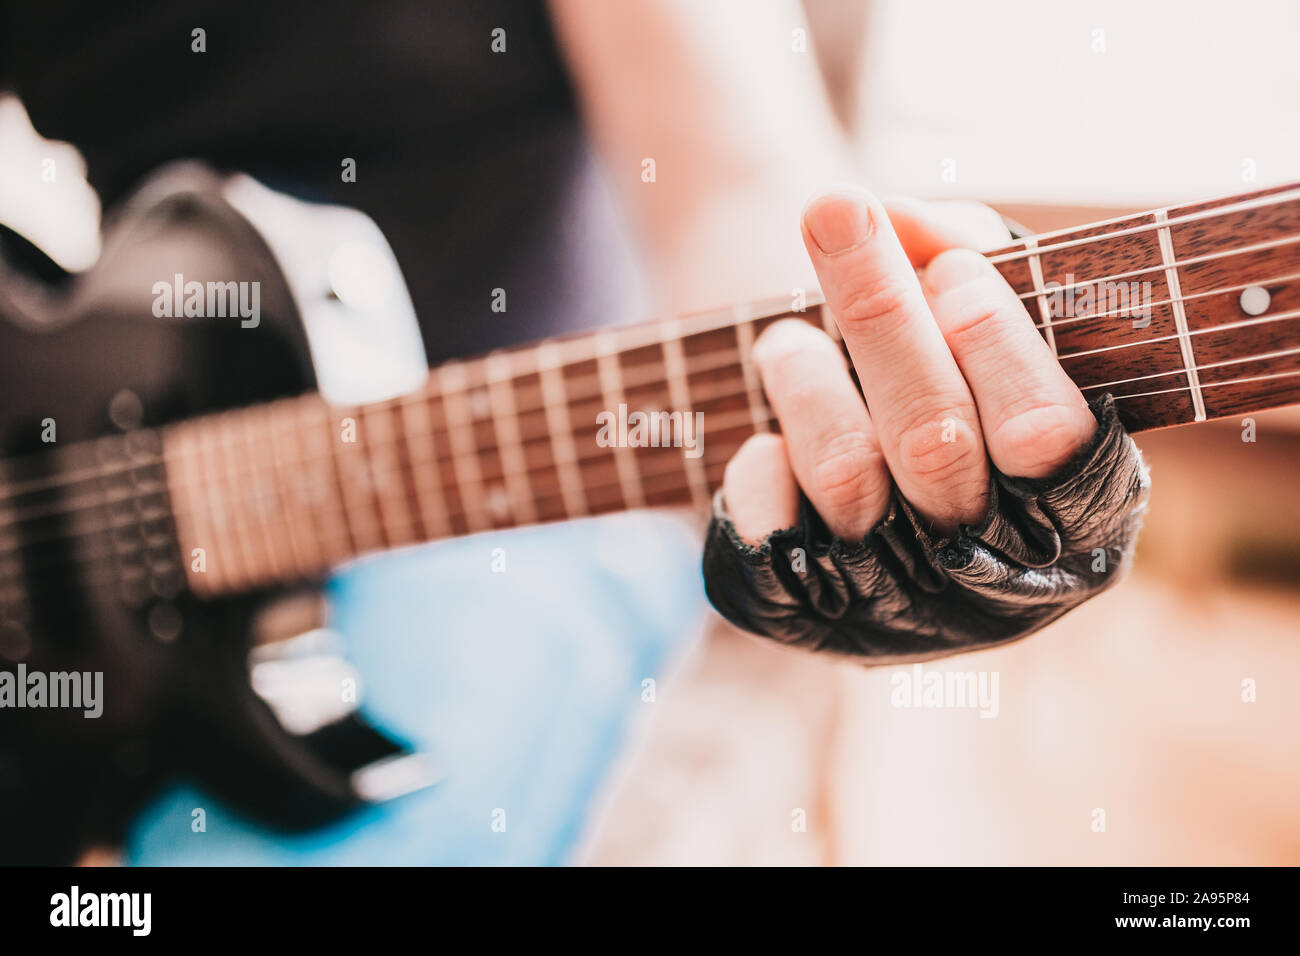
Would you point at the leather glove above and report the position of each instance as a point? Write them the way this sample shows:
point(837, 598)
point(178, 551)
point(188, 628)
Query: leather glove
point(899, 595)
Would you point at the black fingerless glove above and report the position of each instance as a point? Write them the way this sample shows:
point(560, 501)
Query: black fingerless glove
point(899, 595)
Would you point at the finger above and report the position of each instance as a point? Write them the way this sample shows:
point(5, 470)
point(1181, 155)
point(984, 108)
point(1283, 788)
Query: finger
point(921, 408)
point(759, 489)
point(1033, 417)
point(828, 434)
point(926, 229)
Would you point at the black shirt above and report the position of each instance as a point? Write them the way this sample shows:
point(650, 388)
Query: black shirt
point(473, 162)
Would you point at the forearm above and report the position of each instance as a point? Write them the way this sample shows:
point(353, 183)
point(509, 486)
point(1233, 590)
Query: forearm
point(738, 130)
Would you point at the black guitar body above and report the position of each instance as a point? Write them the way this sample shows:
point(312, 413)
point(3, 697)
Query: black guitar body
point(91, 578)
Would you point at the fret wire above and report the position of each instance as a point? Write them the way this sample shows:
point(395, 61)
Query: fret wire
point(17, 489)
point(303, 536)
point(1273, 198)
point(559, 430)
point(587, 346)
point(219, 548)
point(394, 512)
point(655, 473)
point(1125, 311)
point(1160, 268)
point(187, 516)
point(718, 464)
point(464, 448)
point(407, 473)
point(505, 424)
point(735, 421)
point(186, 483)
point(317, 481)
point(369, 477)
point(740, 423)
point(360, 492)
point(1180, 316)
point(721, 359)
point(1228, 383)
point(328, 434)
point(713, 396)
point(261, 548)
point(79, 559)
point(1263, 356)
point(1242, 323)
point(1044, 310)
point(1262, 202)
point(314, 447)
point(731, 423)
point(738, 419)
point(417, 426)
point(258, 428)
point(753, 387)
point(733, 363)
point(85, 474)
point(237, 552)
point(613, 394)
point(243, 426)
point(1208, 385)
point(679, 397)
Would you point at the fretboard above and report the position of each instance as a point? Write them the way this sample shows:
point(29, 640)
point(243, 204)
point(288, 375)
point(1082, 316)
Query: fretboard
point(1192, 314)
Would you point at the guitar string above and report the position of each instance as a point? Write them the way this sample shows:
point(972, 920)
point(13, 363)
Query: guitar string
point(261, 572)
point(469, 429)
point(1274, 199)
point(723, 319)
point(1283, 353)
point(1175, 336)
point(721, 359)
point(704, 362)
point(1290, 239)
point(262, 569)
point(348, 528)
point(1287, 194)
point(731, 359)
point(720, 319)
point(267, 489)
point(1056, 323)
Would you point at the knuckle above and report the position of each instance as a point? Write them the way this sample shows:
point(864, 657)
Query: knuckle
point(945, 450)
point(846, 472)
point(970, 316)
point(884, 297)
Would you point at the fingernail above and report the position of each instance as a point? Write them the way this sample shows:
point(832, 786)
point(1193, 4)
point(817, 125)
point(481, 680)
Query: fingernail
point(838, 221)
point(953, 268)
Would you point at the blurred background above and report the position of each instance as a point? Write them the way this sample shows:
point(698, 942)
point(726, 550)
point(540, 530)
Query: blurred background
point(746, 754)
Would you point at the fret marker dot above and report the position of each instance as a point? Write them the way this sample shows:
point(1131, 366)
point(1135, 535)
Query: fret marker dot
point(165, 622)
point(498, 503)
point(125, 410)
point(1255, 300)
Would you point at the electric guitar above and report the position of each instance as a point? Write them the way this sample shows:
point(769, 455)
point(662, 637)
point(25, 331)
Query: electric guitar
point(195, 472)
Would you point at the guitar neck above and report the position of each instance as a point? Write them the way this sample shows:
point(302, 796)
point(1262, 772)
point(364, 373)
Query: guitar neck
point(1182, 314)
